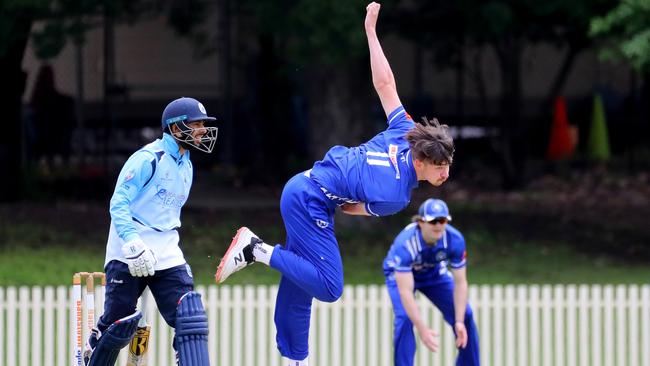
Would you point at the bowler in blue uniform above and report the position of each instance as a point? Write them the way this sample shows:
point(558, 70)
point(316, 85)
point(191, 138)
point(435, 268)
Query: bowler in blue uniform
point(429, 256)
point(373, 179)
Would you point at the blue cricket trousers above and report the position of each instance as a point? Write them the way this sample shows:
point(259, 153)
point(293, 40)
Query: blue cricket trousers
point(441, 294)
point(310, 263)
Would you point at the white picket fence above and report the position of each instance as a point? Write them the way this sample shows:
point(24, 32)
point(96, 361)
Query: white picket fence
point(518, 325)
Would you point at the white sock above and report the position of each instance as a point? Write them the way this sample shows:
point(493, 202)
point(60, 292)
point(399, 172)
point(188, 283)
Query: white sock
point(290, 362)
point(262, 253)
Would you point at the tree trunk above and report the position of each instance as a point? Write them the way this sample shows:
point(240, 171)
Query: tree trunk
point(13, 86)
point(509, 54)
point(560, 79)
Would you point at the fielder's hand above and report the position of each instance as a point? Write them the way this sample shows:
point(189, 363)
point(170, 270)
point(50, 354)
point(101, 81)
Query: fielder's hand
point(461, 335)
point(428, 337)
point(139, 258)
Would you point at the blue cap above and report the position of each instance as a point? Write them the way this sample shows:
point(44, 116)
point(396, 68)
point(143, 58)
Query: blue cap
point(432, 209)
point(184, 110)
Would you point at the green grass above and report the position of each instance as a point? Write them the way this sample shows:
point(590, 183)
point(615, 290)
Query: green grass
point(47, 254)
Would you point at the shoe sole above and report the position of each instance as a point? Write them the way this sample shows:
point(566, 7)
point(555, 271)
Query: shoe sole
point(217, 276)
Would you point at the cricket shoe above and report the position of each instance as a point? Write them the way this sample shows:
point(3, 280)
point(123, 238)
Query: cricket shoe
point(239, 254)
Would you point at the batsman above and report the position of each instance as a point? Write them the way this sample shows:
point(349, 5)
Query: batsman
point(143, 241)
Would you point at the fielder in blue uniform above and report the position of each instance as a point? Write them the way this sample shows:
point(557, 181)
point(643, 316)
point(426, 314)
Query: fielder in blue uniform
point(418, 260)
point(143, 242)
point(373, 179)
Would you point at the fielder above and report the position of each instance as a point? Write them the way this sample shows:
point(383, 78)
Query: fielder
point(143, 243)
point(418, 260)
point(373, 179)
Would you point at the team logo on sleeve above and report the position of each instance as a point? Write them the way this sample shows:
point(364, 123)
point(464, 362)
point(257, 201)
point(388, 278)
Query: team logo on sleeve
point(322, 223)
point(129, 175)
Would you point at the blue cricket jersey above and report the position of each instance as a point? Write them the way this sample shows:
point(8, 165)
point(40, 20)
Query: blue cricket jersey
point(151, 189)
point(410, 252)
point(379, 173)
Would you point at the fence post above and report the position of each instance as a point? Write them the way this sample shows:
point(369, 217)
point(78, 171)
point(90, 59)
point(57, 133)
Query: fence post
point(558, 300)
point(645, 319)
point(632, 322)
point(571, 325)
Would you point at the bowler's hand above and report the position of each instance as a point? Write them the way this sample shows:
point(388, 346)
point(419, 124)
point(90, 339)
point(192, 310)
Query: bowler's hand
point(139, 257)
point(372, 12)
point(461, 335)
point(428, 337)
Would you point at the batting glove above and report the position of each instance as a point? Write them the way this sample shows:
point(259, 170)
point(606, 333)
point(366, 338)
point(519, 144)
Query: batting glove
point(139, 258)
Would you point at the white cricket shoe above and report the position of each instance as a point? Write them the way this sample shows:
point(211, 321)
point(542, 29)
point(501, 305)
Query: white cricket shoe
point(238, 255)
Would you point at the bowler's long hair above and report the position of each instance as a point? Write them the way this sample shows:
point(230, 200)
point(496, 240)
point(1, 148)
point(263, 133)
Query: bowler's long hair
point(430, 141)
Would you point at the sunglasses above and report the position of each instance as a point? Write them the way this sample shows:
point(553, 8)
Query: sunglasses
point(438, 220)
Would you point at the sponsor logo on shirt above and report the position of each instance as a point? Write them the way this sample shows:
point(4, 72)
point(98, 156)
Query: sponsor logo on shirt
point(322, 223)
point(170, 199)
point(392, 154)
point(441, 256)
point(339, 200)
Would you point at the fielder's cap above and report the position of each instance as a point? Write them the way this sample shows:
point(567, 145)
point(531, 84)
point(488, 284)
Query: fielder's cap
point(184, 109)
point(432, 209)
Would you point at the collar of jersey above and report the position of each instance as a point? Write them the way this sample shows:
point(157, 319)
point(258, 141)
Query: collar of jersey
point(411, 170)
point(421, 239)
point(425, 244)
point(171, 147)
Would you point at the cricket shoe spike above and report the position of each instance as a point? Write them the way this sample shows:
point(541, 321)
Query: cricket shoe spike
point(239, 254)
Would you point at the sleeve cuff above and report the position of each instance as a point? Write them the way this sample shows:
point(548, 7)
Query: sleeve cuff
point(394, 114)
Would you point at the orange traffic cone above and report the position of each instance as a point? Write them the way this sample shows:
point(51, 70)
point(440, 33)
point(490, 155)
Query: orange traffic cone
point(562, 142)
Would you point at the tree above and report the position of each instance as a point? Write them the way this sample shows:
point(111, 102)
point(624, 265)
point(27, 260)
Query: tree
point(320, 50)
point(64, 20)
point(505, 27)
point(624, 33)
point(627, 28)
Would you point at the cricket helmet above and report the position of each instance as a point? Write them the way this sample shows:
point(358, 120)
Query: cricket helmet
point(183, 111)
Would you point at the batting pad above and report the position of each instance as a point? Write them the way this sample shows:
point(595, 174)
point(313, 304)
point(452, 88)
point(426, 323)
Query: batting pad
point(116, 337)
point(192, 331)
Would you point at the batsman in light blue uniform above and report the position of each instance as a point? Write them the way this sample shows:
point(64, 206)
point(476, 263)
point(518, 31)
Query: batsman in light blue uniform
point(373, 179)
point(143, 242)
point(418, 261)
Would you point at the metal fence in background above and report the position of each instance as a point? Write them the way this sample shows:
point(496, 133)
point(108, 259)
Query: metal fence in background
point(582, 325)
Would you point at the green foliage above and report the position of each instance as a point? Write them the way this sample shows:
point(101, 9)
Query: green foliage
point(627, 30)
